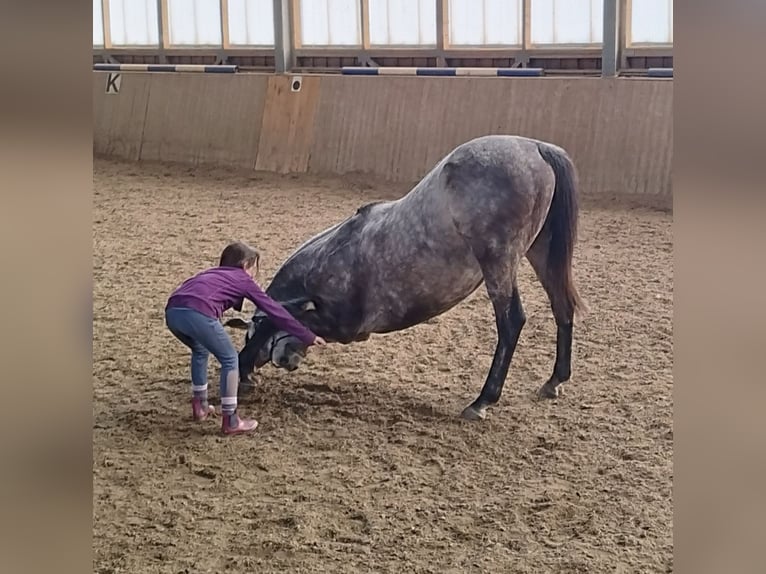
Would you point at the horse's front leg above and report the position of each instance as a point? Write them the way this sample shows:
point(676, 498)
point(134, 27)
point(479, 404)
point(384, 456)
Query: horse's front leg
point(510, 319)
point(249, 353)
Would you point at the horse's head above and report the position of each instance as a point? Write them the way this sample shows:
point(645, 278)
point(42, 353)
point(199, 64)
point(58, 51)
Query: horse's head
point(265, 343)
point(284, 351)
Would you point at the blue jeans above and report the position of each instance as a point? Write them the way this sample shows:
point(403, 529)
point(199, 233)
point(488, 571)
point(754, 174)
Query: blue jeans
point(205, 335)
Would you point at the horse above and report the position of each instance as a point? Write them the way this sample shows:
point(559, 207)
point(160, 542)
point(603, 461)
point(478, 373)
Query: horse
point(394, 264)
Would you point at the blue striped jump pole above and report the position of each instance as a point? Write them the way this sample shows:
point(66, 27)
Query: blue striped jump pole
point(443, 72)
point(660, 72)
point(198, 68)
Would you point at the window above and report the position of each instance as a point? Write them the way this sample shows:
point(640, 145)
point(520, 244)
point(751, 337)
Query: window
point(567, 22)
point(485, 22)
point(98, 23)
point(651, 22)
point(251, 22)
point(330, 23)
point(402, 22)
point(134, 22)
point(194, 22)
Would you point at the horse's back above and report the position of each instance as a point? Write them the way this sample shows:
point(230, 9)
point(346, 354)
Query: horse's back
point(498, 186)
point(492, 165)
point(514, 154)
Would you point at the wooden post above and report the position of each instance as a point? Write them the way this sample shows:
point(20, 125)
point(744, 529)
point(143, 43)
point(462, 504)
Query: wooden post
point(106, 22)
point(162, 26)
point(442, 31)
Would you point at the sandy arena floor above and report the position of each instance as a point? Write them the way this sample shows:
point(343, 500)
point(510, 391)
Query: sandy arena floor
point(360, 463)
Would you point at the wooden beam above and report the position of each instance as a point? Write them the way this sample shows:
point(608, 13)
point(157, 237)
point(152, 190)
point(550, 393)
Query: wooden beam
point(442, 24)
point(442, 31)
point(526, 27)
point(649, 52)
point(297, 33)
point(163, 20)
point(454, 52)
point(627, 19)
point(364, 14)
point(202, 51)
point(106, 22)
point(225, 24)
point(624, 32)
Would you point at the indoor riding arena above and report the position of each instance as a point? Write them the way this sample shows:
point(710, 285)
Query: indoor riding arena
point(269, 121)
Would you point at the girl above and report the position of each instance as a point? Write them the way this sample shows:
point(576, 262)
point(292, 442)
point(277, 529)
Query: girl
point(193, 314)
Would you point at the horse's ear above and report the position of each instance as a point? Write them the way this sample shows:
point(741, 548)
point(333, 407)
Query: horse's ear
point(299, 305)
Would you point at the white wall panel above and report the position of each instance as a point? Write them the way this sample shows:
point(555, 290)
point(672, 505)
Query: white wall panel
point(567, 22)
point(651, 22)
point(485, 22)
point(337, 23)
point(251, 22)
point(134, 22)
point(194, 22)
point(402, 22)
point(330, 23)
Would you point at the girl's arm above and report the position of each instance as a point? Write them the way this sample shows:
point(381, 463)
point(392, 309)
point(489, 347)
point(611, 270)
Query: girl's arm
point(278, 314)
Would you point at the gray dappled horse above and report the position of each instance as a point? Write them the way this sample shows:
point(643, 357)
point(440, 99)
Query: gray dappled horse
point(394, 264)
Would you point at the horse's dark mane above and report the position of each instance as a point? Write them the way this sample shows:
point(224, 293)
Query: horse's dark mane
point(365, 209)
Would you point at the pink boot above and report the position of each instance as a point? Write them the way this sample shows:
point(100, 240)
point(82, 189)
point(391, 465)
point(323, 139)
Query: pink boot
point(232, 424)
point(199, 411)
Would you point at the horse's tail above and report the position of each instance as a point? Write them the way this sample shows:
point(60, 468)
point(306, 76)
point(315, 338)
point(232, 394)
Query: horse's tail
point(562, 223)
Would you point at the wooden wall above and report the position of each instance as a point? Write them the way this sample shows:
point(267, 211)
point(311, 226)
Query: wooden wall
point(619, 131)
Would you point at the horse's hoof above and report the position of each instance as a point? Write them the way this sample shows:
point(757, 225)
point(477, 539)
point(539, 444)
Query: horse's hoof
point(548, 392)
point(470, 413)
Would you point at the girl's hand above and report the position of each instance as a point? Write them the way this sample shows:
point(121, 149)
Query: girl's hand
point(319, 341)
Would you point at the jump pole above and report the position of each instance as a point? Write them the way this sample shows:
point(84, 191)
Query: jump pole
point(660, 72)
point(194, 68)
point(441, 72)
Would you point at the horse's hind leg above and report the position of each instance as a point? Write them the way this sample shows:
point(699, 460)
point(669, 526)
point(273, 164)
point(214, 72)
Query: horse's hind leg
point(563, 312)
point(500, 281)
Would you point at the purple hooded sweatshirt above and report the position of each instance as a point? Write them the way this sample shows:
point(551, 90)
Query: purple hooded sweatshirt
point(217, 289)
